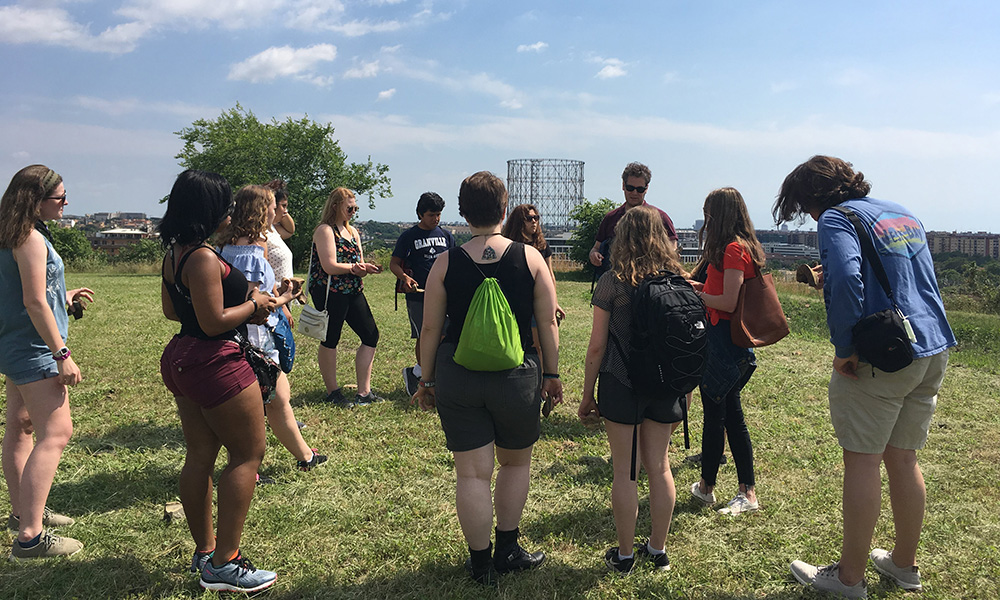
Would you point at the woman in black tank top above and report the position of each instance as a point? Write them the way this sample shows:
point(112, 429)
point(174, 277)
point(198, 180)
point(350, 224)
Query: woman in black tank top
point(489, 416)
point(217, 395)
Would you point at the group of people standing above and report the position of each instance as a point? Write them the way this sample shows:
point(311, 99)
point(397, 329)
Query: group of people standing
point(238, 290)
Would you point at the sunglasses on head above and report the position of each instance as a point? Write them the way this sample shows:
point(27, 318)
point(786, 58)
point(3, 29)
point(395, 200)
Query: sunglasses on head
point(636, 188)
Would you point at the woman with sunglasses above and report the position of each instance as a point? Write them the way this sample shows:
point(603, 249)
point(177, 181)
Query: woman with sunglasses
point(336, 269)
point(524, 224)
point(35, 359)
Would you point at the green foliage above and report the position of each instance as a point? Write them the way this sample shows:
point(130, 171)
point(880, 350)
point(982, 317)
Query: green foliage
point(589, 216)
point(71, 244)
point(144, 251)
point(301, 152)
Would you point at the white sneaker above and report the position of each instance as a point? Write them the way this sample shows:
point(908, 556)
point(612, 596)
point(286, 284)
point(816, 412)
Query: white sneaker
point(907, 578)
point(739, 504)
point(827, 579)
point(708, 498)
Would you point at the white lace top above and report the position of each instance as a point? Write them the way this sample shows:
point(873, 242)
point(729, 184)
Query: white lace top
point(279, 255)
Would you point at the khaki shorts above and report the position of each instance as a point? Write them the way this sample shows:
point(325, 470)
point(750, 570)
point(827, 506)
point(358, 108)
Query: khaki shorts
point(893, 409)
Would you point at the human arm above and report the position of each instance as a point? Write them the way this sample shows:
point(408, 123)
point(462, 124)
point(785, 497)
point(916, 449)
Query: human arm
point(31, 258)
point(285, 227)
point(595, 355)
point(203, 276)
point(732, 280)
point(595, 255)
point(848, 367)
point(843, 285)
point(408, 284)
point(326, 248)
point(368, 267)
point(548, 328)
point(435, 308)
point(79, 294)
point(560, 313)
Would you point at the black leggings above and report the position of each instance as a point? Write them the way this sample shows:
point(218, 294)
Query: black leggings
point(721, 419)
point(352, 309)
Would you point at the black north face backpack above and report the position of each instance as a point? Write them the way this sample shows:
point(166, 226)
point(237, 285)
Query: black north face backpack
point(666, 356)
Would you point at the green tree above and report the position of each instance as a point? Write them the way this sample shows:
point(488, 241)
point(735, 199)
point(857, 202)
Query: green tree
point(301, 152)
point(144, 251)
point(589, 216)
point(71, 244)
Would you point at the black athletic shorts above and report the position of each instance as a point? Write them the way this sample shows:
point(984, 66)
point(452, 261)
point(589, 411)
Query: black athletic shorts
point(620, 404)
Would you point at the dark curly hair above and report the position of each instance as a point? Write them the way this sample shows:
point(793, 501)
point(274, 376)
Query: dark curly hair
point(816, 185)
point(513, 227)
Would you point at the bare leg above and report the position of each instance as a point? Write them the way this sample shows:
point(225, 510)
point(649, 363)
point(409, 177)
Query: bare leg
point(327, 359)
point(908, 496)
point(239, 425)
point(282, 421)
point(654, 438)
point(47, 405)
point(473, 502)
point(862, 502)
point(511, 490)
point(17, 445)
point(624, 493)
point(196, 474)
point(363, 360)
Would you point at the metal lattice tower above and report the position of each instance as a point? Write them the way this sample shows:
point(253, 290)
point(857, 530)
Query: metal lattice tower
point(554, 185)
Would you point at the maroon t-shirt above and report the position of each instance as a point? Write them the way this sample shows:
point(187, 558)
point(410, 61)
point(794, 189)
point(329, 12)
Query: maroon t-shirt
point(607, 227)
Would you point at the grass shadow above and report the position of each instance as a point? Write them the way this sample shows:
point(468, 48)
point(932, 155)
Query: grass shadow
point(113, 578)
point(133, 436)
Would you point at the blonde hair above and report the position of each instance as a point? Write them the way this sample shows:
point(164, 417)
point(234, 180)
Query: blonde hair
point(641, 247)
point(332, 207)
point(249, 215)
point(21, 205)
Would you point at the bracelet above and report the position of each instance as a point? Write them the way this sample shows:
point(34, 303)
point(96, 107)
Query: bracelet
point(550, 375)
point(256, 307)
point(426, 384)
point(61, 354)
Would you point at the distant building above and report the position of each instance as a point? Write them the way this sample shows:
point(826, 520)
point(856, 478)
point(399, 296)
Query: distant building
point(111, 241)
point(971, 244)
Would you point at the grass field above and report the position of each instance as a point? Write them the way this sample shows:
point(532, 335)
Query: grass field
point(378, 521)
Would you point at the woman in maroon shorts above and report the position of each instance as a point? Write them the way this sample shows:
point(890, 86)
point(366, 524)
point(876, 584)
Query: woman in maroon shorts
point(218, 398)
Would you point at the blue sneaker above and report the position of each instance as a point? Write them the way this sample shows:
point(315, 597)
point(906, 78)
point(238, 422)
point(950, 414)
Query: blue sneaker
point(199, 560)
point(237, 575)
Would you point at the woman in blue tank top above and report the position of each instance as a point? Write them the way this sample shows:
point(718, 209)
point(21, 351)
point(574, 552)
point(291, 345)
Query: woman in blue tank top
point(35, 360)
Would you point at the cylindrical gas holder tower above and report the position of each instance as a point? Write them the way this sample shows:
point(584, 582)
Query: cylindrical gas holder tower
point(554, 185)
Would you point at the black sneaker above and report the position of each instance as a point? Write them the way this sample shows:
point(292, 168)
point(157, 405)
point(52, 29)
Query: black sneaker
point(370, 398)
point(485, 576)
point(315, 461)
point(620, 565)
point(300, 425)
point(264, 480)
point(336, 397)
point(411, 381)
point(517, 559)
point(660, 562)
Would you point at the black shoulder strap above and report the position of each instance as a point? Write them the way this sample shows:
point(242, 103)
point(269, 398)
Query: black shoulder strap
point(868, 251)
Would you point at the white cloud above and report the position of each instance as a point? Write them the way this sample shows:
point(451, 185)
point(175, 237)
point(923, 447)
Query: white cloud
point(125, 106)
point(613, 67)
point(386, 94)
point(228, 14)
point(284, 61)
point(56, 27)
point(536, 47)
point(363, 71)
point(507, 95)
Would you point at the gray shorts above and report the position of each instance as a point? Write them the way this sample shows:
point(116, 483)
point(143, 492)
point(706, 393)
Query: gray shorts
point(893, 409)
point(415, 311)
point(479, 407)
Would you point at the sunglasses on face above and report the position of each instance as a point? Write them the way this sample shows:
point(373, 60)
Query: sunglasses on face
point(59, 198)
point(534, 218)
point(636, 188)
point(352, 209)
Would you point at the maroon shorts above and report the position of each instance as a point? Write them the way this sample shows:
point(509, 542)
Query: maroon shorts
point(207, 372)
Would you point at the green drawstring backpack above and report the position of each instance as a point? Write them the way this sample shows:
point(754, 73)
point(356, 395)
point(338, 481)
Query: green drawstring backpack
point(490, 339)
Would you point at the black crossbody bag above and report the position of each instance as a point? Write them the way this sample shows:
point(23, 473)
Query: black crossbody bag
point(884, 338)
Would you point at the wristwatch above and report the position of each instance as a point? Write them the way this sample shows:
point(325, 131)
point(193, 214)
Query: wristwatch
point(61, 354)
point(426, 384)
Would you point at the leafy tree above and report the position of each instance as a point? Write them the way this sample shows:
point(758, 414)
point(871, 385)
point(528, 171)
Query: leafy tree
point(143, 251)
point(589, 215)
point(301, 152)
point(71, 244)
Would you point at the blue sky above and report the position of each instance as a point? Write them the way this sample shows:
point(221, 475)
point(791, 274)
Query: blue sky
point(706, 93)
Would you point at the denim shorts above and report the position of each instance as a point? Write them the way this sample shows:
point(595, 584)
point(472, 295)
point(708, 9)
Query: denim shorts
point(207, 372)
point(36, 373)
point(479, 407)
point(893, 409)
